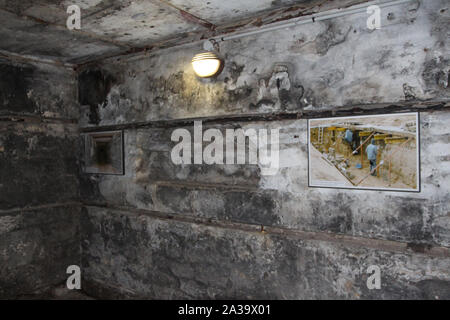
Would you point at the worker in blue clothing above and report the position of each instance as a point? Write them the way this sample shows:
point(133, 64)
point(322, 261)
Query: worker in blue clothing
point(349, 138)
point(352, 140)
point(371, 152)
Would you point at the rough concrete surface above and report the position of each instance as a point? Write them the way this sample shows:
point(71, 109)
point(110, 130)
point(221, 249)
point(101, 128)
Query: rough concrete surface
point(315, 67)
point(329, 64)
point(39, 185)
point(166, 231)
point(110, 27)
point(171, 260)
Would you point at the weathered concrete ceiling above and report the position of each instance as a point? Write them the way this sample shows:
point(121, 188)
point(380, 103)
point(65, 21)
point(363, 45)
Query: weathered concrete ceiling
point(37, 28)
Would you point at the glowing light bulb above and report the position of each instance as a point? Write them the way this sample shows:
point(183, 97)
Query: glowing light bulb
point(206, 64)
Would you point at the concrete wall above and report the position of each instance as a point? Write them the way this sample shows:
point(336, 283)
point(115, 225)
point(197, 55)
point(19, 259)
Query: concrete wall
point(39, 187)
point(327, 64)
point(226, 231)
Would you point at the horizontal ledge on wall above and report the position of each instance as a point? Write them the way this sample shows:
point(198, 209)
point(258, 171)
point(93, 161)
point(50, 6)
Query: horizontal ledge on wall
point(23, 58)
point(205, 185)
point(352, 110)
point(339, 239)
point(31, 118)
point(40, 207)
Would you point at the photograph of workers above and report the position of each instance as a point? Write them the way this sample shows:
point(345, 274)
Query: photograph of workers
point(365, 152)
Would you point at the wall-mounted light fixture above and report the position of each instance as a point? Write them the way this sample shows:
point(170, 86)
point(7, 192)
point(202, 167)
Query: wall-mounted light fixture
point(206, 64)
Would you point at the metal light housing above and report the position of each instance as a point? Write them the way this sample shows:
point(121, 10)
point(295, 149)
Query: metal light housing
point(207, 64)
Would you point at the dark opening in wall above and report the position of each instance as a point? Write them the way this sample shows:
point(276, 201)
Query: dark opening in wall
point(102, 155)
point(104, 152)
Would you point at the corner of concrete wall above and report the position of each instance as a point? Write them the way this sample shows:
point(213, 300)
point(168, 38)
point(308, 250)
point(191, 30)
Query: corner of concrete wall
point(39, 170)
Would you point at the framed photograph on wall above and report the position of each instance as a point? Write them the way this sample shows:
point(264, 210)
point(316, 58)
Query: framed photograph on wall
point(376, 152)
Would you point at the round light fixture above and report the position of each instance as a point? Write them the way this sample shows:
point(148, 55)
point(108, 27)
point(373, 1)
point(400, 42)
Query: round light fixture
point(206, 64)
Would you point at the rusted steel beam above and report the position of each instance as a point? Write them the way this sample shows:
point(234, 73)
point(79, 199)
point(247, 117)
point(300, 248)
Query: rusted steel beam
point(190, 17)
point(33, 118)
point(348, 240)
point(26, 58)
point(381, 108)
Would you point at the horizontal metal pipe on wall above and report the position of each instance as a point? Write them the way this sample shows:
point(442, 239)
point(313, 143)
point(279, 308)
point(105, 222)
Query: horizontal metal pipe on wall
point(312, 18)
point(321, 16)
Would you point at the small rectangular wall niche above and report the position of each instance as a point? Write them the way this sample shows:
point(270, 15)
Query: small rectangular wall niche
point(103, 153)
